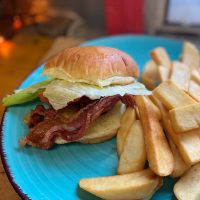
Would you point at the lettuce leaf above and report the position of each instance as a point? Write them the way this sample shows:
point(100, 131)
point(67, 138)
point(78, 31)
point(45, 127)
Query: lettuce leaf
point(25, 95)
point(60, 92)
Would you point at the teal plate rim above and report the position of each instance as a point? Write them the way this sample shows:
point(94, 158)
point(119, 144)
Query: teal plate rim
point(4, 162)
point(2, 151)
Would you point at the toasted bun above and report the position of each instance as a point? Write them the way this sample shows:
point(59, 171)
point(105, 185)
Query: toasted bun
point(103, 128)
point(95, 65)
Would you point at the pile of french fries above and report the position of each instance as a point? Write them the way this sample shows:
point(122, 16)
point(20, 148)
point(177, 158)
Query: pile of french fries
point(163, 130)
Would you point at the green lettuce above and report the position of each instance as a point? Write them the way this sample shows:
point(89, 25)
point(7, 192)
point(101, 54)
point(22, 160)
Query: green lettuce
point(60, 92)
point(25, 95)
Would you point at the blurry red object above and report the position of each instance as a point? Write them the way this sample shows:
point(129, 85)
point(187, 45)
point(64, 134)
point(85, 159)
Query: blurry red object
point(17, 23)
point(124, 16)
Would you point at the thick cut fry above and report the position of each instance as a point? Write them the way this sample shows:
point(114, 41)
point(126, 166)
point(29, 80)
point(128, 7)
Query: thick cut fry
point(157, 148)
point(163, 73)
point(172, 96)
point(160, 57)
point(195, 76)
point(180, 75)
point(188, 186)
point(138, 185)
point(127, 120)
point(188, 144)
point(194, 90)
point(180, 167)
point(190, 55)
point(137, 113)
point(150, 75)
point(133, 156)
point(185, 118)
point(149, 83)
point(156, 109)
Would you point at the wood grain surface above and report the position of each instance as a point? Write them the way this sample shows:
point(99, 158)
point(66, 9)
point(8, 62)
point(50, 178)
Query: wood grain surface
point(18, 58)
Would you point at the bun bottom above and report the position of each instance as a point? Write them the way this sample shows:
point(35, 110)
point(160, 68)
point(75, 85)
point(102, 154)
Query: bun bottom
point(103, 128)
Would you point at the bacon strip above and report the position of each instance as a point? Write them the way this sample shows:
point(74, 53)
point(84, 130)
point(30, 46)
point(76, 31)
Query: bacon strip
point(38, 115)
point(42, 97)
point(129, 100)
point(40, 112)
point(44, 133)
point(46, 124)
point(81, 102)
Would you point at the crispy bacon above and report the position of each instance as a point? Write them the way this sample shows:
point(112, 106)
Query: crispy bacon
point(128, 99)
point(44, 133)
point(42, 97)
point(46, 124)
point(38, 114)
point(81, 102)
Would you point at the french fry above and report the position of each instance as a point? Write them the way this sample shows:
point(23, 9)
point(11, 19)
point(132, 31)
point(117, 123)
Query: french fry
point(160, 57)
point(149, 83)
point(156, 109)
point(138, 185)
point(137, 113)
point(180, 167)
point(172, 96)
point(150, 75)
point(188, 144)
point(127, 120)
point(133, 156)
point(194, 90)
point(185, 118)
point(157, 148)
point(180, 75)
point(188, 186)
point(163, 73)
point(195, 76)
point(190, 55)
point(156, 102)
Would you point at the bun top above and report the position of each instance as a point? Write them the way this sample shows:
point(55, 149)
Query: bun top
point(96, 65)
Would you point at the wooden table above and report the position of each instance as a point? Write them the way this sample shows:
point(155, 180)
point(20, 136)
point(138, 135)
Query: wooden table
point(18, 58)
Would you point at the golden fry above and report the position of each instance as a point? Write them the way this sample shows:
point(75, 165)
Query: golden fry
point(160, 57)
point(133, 156)
point(194, 90)
point(137, 113)
point(180, 167)
point(195, 76)
point(188, 186)
point(180, 75)
point(188, 144)
point(190, 55)
point(156, 109)
point(172, 96)
point(157, 147)
point(127, 120)
point(163, 73)
point(138, 185)
point(150, 75)
point(185, 118)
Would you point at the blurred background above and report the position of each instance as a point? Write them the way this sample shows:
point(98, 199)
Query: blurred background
point(31, 31)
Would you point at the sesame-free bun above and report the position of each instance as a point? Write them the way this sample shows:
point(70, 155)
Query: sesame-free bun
point(96, 65)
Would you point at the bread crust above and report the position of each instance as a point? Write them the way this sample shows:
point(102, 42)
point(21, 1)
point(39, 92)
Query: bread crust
point(95, 65)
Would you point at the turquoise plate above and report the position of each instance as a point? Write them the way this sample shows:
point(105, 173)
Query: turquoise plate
point(54, 174)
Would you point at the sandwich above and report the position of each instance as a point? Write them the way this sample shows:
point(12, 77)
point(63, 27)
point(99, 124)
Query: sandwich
point(83, 97)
